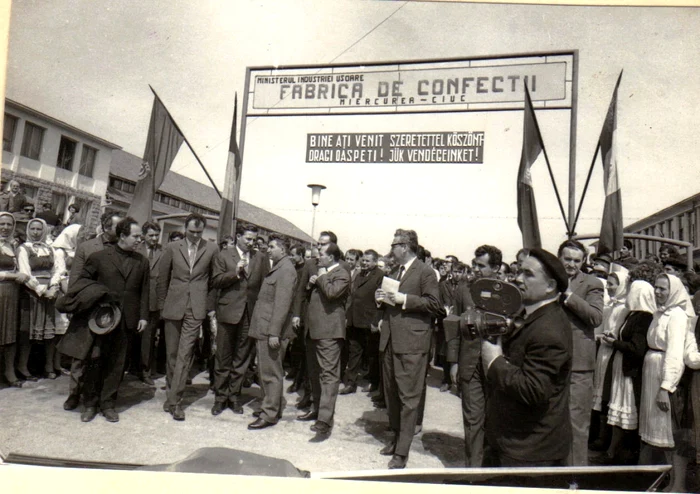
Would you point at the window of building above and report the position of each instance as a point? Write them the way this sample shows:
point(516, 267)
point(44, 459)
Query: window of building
point(30, 192)
point(129, 187)
point(8, 132)
point(58, 203)
point(87, 161)
point(681, 222)
point(66, 153)
point(31, 143)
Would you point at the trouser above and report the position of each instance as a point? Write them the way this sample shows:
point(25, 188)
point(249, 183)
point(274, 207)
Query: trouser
point(324, 369)
point(180, 339)
point(271, 376)
point(77, 375)
point(404, 378)
point(421, 405)
point(148, 343)
point(234, 352)
point(105, 369)
point(355, 342)
point(374, 361)
point(580, 406)
point(474, 417)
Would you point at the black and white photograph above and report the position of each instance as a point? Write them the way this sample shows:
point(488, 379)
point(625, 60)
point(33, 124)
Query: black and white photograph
point(428, 242)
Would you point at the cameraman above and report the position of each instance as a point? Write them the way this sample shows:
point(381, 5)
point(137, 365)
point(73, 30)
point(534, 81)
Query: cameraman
point(464, 353)
point(527, 412)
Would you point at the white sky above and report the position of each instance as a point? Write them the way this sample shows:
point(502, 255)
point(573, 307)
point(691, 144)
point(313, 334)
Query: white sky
point(89, 63)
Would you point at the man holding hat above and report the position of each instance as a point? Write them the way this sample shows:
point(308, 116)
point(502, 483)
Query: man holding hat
point(528, 371)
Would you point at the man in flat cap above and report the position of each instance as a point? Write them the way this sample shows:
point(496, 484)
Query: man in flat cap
point(527, 412)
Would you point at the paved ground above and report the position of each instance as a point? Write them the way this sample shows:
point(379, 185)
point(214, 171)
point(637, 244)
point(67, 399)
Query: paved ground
point(33, 422)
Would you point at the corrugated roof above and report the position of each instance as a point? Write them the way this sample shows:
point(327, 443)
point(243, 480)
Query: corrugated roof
point(126, 166)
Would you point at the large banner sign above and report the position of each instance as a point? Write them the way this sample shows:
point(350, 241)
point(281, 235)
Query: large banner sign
point(475, 84)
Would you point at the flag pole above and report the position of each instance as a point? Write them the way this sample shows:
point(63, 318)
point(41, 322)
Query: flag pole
point(585, 187)
point(186, 141)
point(241, 147)
point(544, 150)
point(572, 142)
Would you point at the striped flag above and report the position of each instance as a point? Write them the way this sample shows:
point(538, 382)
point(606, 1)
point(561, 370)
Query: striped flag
point(232, 178)
point(163, 142)
point(532, 147)
point(611, 234)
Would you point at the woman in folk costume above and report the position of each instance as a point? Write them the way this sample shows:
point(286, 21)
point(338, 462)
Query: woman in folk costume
point(35, 258)
point(10, 279)
point(663, 368)
point(64, 250)
point(629, 348)
point(614, 314)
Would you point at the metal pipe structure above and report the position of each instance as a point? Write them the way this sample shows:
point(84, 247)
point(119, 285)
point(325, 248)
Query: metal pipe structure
point(689, 246)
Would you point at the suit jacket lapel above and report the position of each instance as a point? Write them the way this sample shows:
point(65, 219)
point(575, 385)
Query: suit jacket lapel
point(200, 251)
point(185, 253)
point(117, 261)
point(409, 272)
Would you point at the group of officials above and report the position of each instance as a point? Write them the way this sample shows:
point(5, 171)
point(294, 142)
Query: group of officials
point(523, 398)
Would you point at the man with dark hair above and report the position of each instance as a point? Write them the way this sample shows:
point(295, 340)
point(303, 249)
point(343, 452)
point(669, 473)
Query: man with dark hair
point(666, 251)
point(123, 273)
point(583, 304)
point(297, 352)
point(326, 237)
point(361, 314)
point(448, 289)
point(352, 257)
point(271, 328)
point(406, 317)
point(184, 300)
point(329, 289)
point(527, 416)
point(675, 265)
point(464, 352)
point(144, 352)
point(175, 236)
point(107, 238)
point(47, 214)
point(237, 272)
point(627, 253)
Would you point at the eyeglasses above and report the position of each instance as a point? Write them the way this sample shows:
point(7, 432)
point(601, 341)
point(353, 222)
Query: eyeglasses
point(398, 243)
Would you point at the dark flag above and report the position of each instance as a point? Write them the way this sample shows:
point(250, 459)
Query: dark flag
point(611, 234)
point(232, 178)
point(163, 143)
point(532, 147)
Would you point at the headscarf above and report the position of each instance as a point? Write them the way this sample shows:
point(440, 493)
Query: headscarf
point(641, 297)
point(622, 275)
point(677, 296)
point(45, 232)
point(68, 239)
point(6, 246)
point(616, 312)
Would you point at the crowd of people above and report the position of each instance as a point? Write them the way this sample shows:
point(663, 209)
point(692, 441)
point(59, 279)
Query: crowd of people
point(603, 358)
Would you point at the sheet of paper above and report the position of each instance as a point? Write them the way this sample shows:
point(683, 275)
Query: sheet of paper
point(389, 285)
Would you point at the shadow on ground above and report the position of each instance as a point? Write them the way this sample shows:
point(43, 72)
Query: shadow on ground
point(446, 448)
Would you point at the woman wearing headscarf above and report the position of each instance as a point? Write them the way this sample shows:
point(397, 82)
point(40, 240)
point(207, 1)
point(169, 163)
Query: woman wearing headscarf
point(614, 313)
point(629, 349)
point(663, 368)
point(64, 250)
point(9, 297)
point(35, 258)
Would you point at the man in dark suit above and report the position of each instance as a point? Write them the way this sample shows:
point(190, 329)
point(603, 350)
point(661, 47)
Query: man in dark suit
point(107, 238)
point(326, 331)
point(124, 273)
point(464, 352)
point(583, 304)
point(184, 300)
point(271, 329)
point(527, 414)
point(405, 340)
point(48, 215)
point(237, 272)
point(152, 251)
point(361, 314)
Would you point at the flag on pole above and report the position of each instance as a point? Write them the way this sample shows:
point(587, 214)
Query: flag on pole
point(233, 175)
point(611, 234)
point(163, 142)
point(532, 147)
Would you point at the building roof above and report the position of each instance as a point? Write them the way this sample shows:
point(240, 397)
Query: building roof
point(126, 166)
point(664, 214)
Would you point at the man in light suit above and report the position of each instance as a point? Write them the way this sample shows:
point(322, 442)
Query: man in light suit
point(107, 238)
point(405, 340)
point(152, 251)
point(326, 331)
point(184, 301)
point(237, 273)
point(271, 329)
point(583, 304)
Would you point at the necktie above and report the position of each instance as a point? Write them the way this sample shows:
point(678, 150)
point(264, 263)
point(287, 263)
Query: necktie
point(150, 254)
point(401, 270)
point(193, 253)
point(246, 268)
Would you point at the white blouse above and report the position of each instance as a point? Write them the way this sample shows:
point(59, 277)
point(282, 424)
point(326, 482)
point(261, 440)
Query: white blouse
point(668, 333)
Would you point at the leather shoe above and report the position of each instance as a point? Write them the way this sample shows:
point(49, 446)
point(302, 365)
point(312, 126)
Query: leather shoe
point(304, 403)
point(308, 416)
point(293, 388)
point(257, 413)
point(388, 450)
point(167, 408)
point(259, 424)
point(16, 384)
point(72, 402)
point(236, 407)
point(218, 408)
point(27, 377)
point(146, 380)
point(177, 412)
point(444, 388)
point(111, 415)
point(348, 390)
point(398, 461)
point(321, 427)
point(88, 414)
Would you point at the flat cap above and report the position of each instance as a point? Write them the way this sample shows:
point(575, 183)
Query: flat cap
point(553, 266)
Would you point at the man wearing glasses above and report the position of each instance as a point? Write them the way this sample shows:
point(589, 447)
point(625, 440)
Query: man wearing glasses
point(406, 316)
